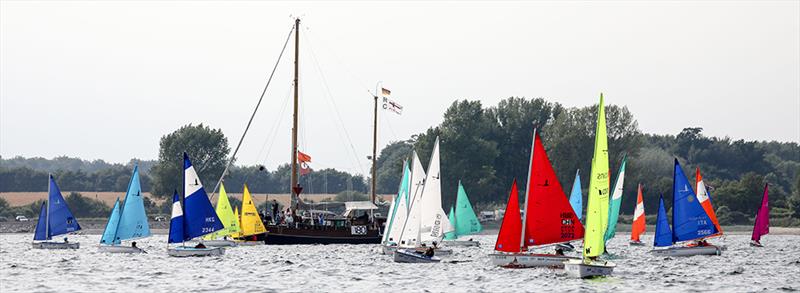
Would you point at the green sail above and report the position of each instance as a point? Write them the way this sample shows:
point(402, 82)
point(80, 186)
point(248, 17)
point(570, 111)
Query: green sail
point(225, 214)
point(597, 207)
point(452, 234)
point(466, 221)
point(616, 201)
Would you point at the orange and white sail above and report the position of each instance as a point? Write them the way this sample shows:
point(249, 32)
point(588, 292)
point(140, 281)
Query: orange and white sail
point(639, 225)
point(705, 201)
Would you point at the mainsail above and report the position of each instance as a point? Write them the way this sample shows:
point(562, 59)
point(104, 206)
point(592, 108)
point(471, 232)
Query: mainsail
point(761, 225)
point(639, 225)
point(199, 216)
point(434, 221)
point(508, 238)
point(597, 207)
point(133, 218)
point(689, 219)
point(576, 197)
point(616, 201)
point(410, 234)
point(251, 221)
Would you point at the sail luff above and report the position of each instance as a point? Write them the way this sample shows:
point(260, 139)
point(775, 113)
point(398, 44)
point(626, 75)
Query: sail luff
point(597, 206)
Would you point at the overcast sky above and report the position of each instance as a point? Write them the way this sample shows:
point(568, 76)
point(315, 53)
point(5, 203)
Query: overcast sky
point(105, 80)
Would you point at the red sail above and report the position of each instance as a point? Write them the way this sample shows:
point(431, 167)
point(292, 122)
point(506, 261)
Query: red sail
point(508, 238)
point(639, 225)
point(549, 218)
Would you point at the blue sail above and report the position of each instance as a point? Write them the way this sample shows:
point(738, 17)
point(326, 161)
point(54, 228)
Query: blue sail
point(60, 219)
point(663, 235)
point(199, 215)
point(133, 219)
point(576, 198)
point(41, 225)
point(110, 233)
point(176, 222)
point(689, 219)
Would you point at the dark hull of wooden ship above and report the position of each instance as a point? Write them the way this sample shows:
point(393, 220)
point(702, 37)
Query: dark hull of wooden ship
point(306, 234)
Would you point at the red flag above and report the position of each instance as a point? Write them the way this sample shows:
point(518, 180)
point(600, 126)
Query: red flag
point(303, 158)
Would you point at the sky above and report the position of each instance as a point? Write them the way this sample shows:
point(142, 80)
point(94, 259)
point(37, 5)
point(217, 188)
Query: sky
point(105, 80)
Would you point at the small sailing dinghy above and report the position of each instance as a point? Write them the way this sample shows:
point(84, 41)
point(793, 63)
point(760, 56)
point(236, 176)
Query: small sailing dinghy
point(597, 209)
point(410, 235)
point(761, 225)
point(639, 225)
point(704, 197)
point(398, 212)
point(251, 224)
point(689, 222)
point(434, 223)
point(229, 220)
point(127, 221)
point(55, 219)
point(615, 203)
point(549, 218)
point(195, 218)
point(463, 218)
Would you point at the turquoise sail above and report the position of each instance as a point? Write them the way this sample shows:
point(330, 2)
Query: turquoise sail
point(615, 201)
point(133, 218)
point(452, 217)
point(575, 197)
point(402, 195)
point(110, 233)
point(466, 221)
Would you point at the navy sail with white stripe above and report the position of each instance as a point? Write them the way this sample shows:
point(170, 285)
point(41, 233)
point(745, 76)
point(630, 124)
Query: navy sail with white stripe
point(199, 215)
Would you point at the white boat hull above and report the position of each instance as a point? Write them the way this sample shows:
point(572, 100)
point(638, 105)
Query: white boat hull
point(119, 249)
point(461, 243)
point(56, 245)
point(388, 250)
point(529, 260)
point(580, 269)
point(688, 251)
point(440, 251)
point(249, 243)
point(411, 256)
point(191, 251)
point(217, 243)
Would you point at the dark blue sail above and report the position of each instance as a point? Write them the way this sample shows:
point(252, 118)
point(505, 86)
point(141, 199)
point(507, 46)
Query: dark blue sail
point(60, 218)
point(176, 223)
point(663, 235)
point(689, 219)
point(41, 225)
point(199, 215)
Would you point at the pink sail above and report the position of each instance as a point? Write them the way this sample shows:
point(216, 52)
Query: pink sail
point(761, 226)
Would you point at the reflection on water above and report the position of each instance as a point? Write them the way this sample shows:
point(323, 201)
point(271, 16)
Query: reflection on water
point(349, 268)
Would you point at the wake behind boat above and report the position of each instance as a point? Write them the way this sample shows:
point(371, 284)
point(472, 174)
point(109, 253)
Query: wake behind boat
point(55, 219)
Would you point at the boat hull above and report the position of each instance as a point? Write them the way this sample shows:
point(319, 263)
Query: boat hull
point(119, 249)
point(437, 251)
point(191, 251)
point(755, 244)
point(688, 251)
point(56, 245)
point(529, 260)
point(461, 243)
point(411, 256)
point(388, 250)
point(636, 243)
point(218, 243)
point(282, 235)
point(580, 269)
point(249, 243)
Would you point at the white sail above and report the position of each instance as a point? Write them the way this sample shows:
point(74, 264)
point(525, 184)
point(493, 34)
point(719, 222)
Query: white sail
point(434, 221)
point(410, 234)
point(400, 216)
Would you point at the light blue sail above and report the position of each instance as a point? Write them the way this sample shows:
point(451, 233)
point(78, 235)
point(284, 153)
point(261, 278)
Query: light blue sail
point(176, 234)
point(110, 233)
point(663, 235)
point(402, 195)
point(199, 215)
point(575, 197)
point(133, 219)
point(60, 219)
point(41, 225)
point(689, 219)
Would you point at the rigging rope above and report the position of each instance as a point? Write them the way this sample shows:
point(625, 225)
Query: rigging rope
point(264, 92)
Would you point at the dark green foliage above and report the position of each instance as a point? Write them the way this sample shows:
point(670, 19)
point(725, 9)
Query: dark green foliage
point(113, 178)
point(350, 196)
point(85, 207)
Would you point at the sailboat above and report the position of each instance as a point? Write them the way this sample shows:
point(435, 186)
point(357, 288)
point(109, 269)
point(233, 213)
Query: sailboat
point(576, 197)
point(549, 218)
point(251, 223)
point(229, 220)
point(433, 223)
point(639, 224)
point(596, 209)
point(705, 200)
point(761, 225)
point(55, 219)
point(615, 203)
point(689, 222)
point(398, 212)
point(464, 221)
point(194, 218)
point(127, 221)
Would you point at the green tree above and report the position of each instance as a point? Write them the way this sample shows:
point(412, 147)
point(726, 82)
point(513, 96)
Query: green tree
point(207, 148)
point(390, 165)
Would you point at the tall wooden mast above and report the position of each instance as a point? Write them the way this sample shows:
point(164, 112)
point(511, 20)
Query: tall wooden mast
point(294, 183)
point(374, 147)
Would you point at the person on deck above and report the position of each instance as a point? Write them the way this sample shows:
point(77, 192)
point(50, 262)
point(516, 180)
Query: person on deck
point(133, 244)
point(66, 240)
point(200, 245)
point(559, 251)
point(429, 252)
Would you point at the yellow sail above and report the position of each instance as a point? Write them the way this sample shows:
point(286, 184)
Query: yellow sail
point(238, 223)
point(251, 221)
point(225, 214)
point(597, 208)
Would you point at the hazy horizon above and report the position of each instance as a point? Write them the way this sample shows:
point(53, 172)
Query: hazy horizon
point(105, 80)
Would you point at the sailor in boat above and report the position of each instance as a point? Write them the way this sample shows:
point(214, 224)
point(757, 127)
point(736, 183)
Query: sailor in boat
point(559, 251)
point(429, 252)
point(66, 240)
point(133, 244)
point(200, 245)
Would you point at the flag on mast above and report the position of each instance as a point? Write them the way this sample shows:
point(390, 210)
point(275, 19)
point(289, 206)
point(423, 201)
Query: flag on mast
point(389, 104)
point(304, 159)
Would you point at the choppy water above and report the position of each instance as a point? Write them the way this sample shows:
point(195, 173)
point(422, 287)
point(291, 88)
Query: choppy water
point(360, 268)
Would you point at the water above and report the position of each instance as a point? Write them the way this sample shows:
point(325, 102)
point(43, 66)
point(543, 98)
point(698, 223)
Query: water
point(360, 268)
